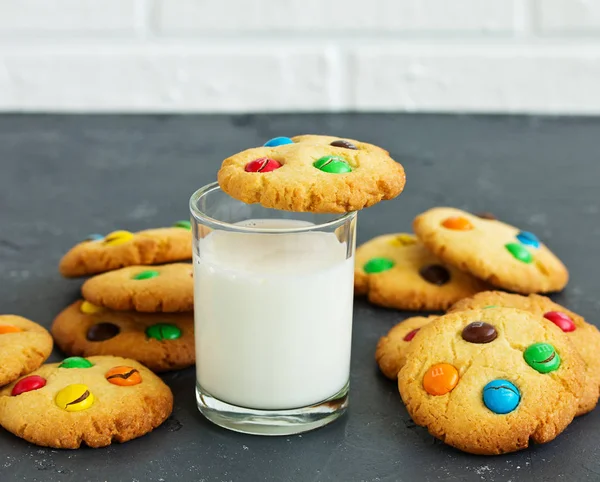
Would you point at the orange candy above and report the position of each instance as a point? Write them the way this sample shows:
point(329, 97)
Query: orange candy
point(4, 329)
point(457, 223)
point(123, 376)
point(440, 379)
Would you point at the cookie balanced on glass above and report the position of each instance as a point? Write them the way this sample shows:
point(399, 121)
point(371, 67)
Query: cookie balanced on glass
point(274, 243)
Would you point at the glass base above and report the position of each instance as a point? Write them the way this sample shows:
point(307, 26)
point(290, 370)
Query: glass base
point(272, 422)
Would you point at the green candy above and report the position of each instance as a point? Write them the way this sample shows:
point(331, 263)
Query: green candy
point(377, 265)
point(489, 307)
point(519, 252)
point(163, 331)
point(332, 165)
point(542, 357)
point(76, 362)
point(146, 275)
point(183, 224)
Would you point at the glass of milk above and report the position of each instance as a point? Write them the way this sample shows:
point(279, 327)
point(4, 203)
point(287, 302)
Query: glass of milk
point(273, 314)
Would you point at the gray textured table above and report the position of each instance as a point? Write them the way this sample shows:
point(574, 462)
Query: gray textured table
point(64, 177)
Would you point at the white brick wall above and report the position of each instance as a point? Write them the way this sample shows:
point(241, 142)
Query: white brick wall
point(540, 56)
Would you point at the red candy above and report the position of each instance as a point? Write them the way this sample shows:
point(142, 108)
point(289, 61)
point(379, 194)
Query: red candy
point(564, 322)
point(28, 384)
point(411, 335)
point(264, 164)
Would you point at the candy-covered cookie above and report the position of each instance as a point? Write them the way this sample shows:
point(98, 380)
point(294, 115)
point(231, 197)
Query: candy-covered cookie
point(24, 346)
point(94, 401)
point(491, 250)
point(162, 342)
point(98, 253)
point(584, 337)
point(488, 381)
point(397, 271)
point(390, 353)
point(167, 288)
point(313, 173)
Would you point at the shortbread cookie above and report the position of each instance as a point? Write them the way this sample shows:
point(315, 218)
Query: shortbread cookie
point(97, 253)
point(162, 342)
point(584, 337)
point(24, 346)
point(491, 250)
point(92, 401)
point(397, 271)
point(167, 288)
point(391, 349)
point(489, 381)
point(313, 173)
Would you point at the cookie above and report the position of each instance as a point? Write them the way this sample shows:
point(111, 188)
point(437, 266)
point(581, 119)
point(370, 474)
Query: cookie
point(491, 250)
point(319, 174)
point(98, 254)
point(162, 342)
point(92, 402)
point(167, 288)
point(584, 337)
point(390, 353)
point(489, 381)
point(24, 346)
point(397, 271)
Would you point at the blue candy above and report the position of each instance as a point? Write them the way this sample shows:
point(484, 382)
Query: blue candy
point(528, 239)
point(278, 141)
point(94, 237)
point(501, 396)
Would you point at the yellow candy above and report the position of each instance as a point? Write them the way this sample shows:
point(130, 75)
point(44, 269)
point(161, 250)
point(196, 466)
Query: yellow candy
point(74, 398)
point(403, 240)
point(89, 308)
point(118, 237)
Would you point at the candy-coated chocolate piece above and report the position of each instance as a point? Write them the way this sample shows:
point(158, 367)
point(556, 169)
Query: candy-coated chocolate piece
point(74, 398)
point(76, 362)
point(519, 252)
point(124, 376)
point(563, 321)
point(183, 224)
point(528, 239)
point(403, 240)
point(501, 396)
point(489, 307)
point(377, 265)
point(163, 331)
point(5, 329)
point(440, 379)
point(102, 332)
point(457, 223)
point(344, 144)
point(542, 357)
point(278, 141)
point(264, 164)
point(479, 332)
point(148, 274)
point(118, 237)
point(90, 308)
point(332, 165)
point(94, 237)
point(411, 334)
point(486, 215)
point(28, 384)
point(435, 274)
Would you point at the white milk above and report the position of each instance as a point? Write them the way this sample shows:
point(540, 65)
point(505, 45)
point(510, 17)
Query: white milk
point(273, 316)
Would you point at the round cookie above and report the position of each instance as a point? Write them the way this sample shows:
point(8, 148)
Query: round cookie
point(320, 174)
point(491, 250)
point(584, 337)
point(396, 271)
point(162, 342)
point(98, 254)
point(390, 353)
point(107, 399)
point(537, 380)
point(24, 346)
point(167, 288)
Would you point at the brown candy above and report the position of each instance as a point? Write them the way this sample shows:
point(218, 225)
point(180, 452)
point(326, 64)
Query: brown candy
point(435, 274)
point(344, 144)
point(102, 332)
point(479, 332)
point(486, 215)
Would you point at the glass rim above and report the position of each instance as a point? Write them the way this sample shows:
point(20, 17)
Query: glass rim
point(204, 218)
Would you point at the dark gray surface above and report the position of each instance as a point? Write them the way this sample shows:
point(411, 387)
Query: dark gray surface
point(65, 177)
